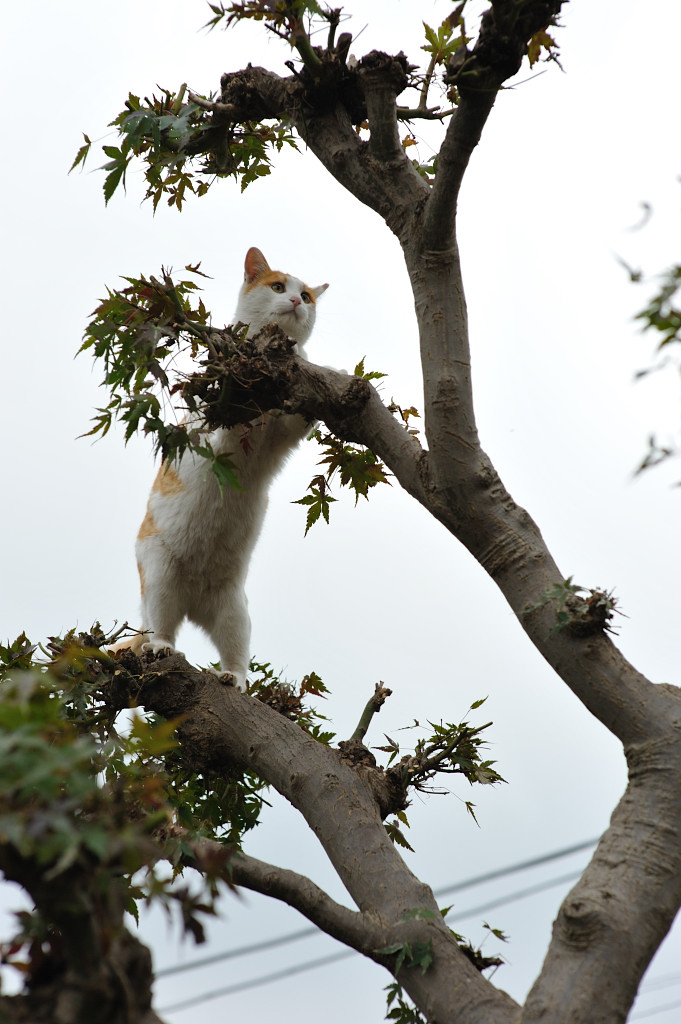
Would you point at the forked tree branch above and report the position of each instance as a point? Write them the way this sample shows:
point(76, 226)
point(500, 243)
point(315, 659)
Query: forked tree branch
point(223, 729)
point(348, 926)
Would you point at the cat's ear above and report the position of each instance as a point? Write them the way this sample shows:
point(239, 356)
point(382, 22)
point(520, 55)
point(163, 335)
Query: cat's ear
point(319, 290)
point(255, 266)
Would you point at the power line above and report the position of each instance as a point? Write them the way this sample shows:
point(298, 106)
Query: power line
point(229, 954)
point(264, 979)
point(656, 1009)
point(664, 981)
point(304, 933)
point(309, 965)
point(535, 862)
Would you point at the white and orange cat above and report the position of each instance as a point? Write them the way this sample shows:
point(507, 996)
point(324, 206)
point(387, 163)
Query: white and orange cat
point(195, 544)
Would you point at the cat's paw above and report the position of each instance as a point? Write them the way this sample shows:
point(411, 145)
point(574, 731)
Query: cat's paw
point(236, 679)
point(159, 648)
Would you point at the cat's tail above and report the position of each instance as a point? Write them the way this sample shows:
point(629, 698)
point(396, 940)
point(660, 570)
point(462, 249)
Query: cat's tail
point(143, 643)
point(131, 643)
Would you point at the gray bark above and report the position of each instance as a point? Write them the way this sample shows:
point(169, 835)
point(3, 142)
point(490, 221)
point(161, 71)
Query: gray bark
point(618, 913)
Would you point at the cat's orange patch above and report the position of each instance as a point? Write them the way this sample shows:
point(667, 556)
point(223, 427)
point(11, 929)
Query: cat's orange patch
point(148, 527)
point(140, 570)
point(272, 277)
point(167, 481)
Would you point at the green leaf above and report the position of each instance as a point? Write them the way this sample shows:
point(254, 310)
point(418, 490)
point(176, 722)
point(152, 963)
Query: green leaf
point(226, 472)
point(497, 932)
point(318, 502)
point(113, 180)
point(82, 154)
point(396, 836)
point(420, 914)
point(359, 371)
point(470, 808)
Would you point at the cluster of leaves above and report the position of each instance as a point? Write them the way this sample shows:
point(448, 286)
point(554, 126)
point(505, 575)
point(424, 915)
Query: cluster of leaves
point(583, 611)
point(170, 135)
point(281, 16)
point(662, 316)
point(290, 700)
point(358, 467)
point(449, 750)
point(542, 42)
point(442, 45)
point(224, 809)
point(82, 805)
point(294, 21)
point(410, 954)
point(406, 415)
point(139, 332)
point(663, 311)
point(420, 955)
point(399, 1010)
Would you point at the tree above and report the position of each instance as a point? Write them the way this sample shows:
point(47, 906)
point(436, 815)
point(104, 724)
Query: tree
point(454, 480)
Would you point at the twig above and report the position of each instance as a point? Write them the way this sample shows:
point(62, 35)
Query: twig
point(198, 330)
point(213, 106)
point(425, 113)
point(426, 82)
point(373, 706)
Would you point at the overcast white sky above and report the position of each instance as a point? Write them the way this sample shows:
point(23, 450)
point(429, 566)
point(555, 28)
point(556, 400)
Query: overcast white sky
point(385, 593)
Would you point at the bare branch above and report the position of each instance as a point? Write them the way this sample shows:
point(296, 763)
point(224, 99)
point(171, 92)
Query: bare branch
point(228, 109)
point(348, 926)
point(373, 706)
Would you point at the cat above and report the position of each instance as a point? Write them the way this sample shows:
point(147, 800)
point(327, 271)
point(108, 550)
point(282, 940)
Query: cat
point(196, 541)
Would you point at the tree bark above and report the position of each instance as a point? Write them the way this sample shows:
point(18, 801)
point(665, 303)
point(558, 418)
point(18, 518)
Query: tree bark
point(616, 916)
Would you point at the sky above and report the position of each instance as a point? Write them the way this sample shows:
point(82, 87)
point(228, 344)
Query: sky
point(551, 203)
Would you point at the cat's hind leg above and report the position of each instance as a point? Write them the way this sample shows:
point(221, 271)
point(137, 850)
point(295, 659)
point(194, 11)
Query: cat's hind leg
point(162, 607)
point(229, 626)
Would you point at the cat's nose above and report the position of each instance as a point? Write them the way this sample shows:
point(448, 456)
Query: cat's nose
point(295, 300)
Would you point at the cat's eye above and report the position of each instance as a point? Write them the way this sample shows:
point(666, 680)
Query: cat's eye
point(277, 287)
point(305, 296)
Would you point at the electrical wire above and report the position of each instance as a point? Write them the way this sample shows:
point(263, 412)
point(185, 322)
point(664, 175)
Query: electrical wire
point(446, 890)
point(343, 954)
point(664, 981)
point(655, 1010)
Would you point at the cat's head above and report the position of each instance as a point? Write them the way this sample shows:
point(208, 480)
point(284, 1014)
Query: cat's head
point(269, 297)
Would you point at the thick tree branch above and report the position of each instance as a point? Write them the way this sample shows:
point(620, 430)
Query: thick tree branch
point(223, 728)
point(497, 55)
point(615, 918)
point(350, 406)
